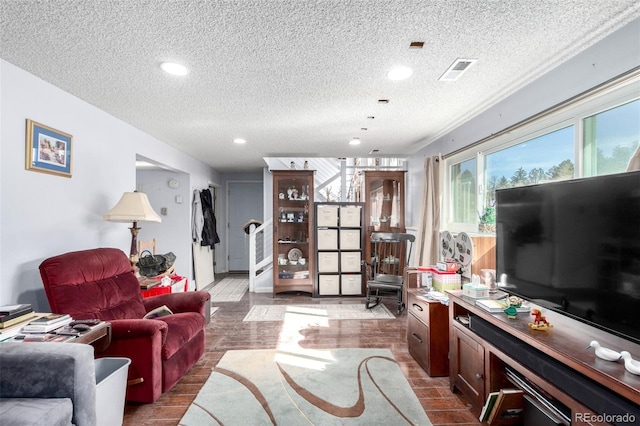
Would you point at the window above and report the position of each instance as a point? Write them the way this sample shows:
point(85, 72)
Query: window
point(610, 139)
point(543, 159)
point(463, 192)
point(594, 134)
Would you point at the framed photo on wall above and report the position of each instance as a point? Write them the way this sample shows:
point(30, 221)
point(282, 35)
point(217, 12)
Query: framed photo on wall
point(48, 150)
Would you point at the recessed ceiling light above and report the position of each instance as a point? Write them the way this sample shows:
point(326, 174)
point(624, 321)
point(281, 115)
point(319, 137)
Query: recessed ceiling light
point(399, 72)
point(173, 68)
point(239, 141)
point(354, 141)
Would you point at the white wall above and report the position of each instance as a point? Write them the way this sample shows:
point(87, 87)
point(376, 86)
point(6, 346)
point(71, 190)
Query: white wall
point(607, 59)
point(174, 232)
point(43, 215)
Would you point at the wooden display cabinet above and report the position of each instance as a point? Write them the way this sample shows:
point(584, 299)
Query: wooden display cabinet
point(384, 206)
point(293, 231)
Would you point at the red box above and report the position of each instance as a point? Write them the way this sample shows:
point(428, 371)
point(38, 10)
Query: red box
point(175, 280)
point(155, 291)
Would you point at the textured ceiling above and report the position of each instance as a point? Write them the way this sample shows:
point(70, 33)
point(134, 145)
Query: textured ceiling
point(297, 78)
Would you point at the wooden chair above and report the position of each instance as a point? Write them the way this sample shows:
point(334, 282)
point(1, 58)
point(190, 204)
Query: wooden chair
point(147, 245)
point(386, 270)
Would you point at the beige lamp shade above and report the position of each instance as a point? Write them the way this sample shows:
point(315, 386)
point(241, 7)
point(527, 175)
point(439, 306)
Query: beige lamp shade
point(132, 207)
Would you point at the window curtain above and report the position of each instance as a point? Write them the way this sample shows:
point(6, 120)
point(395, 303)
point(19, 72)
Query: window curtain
point(429, 221)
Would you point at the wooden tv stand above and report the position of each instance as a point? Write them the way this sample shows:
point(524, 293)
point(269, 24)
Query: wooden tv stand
point(485, 355)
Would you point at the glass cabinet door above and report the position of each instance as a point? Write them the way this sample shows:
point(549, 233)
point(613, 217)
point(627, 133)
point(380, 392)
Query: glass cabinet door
point(293, 231)
point(384, 205)
point(384, 202)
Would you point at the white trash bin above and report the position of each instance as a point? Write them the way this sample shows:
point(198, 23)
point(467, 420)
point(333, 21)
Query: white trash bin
point(111, 386)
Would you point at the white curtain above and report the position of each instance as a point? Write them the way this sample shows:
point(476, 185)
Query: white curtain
point(429, 222)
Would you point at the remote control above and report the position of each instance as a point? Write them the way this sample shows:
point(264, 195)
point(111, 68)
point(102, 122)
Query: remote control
point(90, 321)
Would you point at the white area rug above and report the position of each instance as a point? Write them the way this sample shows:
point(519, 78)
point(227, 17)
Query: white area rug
point(317, 312)
point(319, 387)
point(229, 290)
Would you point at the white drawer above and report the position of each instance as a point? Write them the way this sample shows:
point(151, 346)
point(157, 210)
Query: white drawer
point(328, 285)
point(350, 261)
point(327, 216)
point(350, 239)
point(350, 215)
point(328, 262)
point(351, 284)
point(327, 239)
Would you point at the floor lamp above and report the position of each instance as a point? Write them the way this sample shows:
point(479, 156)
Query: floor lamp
point(133, 207)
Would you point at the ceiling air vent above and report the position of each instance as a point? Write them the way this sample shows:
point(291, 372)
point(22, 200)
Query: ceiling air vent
point(456, 69)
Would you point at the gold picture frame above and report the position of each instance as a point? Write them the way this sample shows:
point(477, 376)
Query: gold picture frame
point(48, 150)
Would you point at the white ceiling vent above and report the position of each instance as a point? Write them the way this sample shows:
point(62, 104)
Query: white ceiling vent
point(456, 69)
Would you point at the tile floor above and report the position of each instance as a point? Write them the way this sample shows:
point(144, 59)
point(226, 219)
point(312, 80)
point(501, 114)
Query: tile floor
point(227, 331)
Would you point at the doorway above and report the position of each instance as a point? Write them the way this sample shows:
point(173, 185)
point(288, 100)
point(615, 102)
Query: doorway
point(244, 203)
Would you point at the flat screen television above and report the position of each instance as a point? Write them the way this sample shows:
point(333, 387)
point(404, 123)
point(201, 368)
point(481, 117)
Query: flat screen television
point(574, 247)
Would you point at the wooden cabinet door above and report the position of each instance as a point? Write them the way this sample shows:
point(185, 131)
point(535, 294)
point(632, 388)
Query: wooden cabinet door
point(467, 367)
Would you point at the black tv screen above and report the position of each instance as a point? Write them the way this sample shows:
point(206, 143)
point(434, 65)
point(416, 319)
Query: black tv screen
point(574, 247)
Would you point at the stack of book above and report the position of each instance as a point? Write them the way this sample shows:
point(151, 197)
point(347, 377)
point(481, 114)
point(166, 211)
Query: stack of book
point(300, 275)
point(495, 306)
point(46, 323)
point(15, 314)
point(503, 407)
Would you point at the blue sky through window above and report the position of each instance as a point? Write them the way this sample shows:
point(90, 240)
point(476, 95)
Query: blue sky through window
point(543, 152)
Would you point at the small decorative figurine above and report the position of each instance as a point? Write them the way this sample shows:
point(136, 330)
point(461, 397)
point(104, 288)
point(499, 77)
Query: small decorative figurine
point(539, 322)
point(513, 303)
point(630, 364)
point(306, 165)
point(604, 353)
point(511, 312)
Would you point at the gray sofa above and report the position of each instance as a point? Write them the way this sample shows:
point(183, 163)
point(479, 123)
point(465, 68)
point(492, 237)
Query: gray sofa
point(47, 384)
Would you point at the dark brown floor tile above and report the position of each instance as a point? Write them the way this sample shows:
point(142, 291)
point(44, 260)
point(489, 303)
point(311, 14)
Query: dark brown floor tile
point(457, 417)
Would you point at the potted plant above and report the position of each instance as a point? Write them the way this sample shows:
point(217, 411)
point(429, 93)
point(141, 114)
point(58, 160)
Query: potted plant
point(487, 220)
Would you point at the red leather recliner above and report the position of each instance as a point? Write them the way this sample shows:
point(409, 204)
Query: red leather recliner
point(99, 283)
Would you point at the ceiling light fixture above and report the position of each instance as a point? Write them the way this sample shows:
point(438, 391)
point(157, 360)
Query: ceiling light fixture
point(354, 141)
point(239, 141)
point(173, 68)
point(399, 72)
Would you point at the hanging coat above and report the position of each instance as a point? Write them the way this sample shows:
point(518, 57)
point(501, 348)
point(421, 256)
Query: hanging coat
point(197, 219)
point(209, 233)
